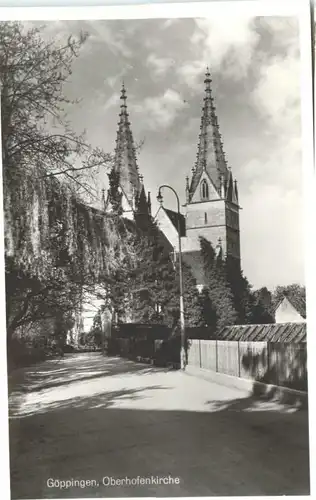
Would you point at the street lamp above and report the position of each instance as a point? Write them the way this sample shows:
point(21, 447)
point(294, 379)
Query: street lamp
point(182, 324)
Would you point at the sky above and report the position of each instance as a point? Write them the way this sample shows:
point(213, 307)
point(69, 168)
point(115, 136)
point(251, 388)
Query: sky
point(255, 68)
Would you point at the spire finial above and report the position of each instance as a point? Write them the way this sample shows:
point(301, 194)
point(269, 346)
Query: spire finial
point(207, 80)
point(123, 93)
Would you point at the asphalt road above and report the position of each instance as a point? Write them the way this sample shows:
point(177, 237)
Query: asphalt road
point(92, 420)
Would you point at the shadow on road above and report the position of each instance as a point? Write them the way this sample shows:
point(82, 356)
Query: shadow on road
point(74, 368)
point(88, 428)
point(213, 454)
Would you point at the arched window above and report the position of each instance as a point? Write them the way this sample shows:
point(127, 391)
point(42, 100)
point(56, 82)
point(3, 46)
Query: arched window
point(205, 218)
point(204, 190)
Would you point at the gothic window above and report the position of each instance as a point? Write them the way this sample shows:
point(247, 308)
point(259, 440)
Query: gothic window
point(204, 190)
point(205, 218)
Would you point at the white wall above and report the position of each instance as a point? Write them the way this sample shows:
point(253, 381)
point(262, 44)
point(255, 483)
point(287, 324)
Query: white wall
point(286, 313)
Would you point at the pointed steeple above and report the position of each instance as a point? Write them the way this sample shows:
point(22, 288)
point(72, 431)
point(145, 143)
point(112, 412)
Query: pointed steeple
point(142, 202)
point(125, 156)
point(236, 191)
point(230, 186)
point(187, 189)
point(210, 153)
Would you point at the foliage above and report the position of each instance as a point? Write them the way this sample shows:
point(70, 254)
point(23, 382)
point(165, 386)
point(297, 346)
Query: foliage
point(229, 298)
point(95, 335)
point(294, 289)
point(54, 242)
point(30, 301)
point(218, 295)
point(253, 307)
point(152, 283)
point(114, 194)
point(37, 138)
point(262, 310)
point(209, 315)
point(241, 290)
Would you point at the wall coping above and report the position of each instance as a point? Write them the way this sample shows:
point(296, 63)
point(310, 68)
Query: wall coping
point(253, 388)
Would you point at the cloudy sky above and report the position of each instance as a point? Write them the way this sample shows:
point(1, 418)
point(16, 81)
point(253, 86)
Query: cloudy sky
point(256, 76)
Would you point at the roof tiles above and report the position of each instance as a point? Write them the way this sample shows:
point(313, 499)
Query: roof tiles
point(276, 332)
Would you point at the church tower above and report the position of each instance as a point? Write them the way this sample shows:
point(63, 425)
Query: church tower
point(125, 164)
point(212, 208)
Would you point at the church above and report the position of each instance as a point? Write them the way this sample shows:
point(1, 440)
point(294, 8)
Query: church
point(211, 208)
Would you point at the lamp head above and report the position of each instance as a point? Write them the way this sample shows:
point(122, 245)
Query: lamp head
point(159, 197)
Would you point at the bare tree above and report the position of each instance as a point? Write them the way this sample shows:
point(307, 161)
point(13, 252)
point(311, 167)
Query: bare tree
point(54, 242)
point(37, 138)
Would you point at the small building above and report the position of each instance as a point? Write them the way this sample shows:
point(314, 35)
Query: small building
point(290, 309)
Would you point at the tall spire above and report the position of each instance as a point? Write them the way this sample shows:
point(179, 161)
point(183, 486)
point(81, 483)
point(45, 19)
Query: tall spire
point(125, 157)
point(210, 153)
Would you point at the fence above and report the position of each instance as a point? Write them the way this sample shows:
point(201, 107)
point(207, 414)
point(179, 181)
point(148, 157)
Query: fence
point(159, 351)
point(273, 362)
point(277, 363)
point(145, 342)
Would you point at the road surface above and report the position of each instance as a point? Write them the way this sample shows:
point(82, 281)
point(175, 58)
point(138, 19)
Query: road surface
point(89, 421)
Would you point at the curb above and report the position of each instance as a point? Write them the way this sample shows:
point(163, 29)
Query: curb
point(255, 389)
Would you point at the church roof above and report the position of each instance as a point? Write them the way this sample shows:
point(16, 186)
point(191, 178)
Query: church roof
point(175, 218)
point(125, 154)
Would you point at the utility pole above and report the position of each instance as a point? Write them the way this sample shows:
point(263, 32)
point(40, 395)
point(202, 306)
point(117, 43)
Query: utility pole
point(182, 322)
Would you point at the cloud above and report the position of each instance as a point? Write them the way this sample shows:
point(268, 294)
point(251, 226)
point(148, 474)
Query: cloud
point(277, 94)
point(274, 178)
point(160, 111)
point(106, 33)
point(283, 31)
point(225, 44)
point(159, 65)
point(111, 102)
point(272, 243)
point(115, 81)
point(191, 72)
point(276, 98)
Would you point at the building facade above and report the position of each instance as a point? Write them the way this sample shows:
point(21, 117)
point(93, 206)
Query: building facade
point(211, 207)
point(290, 310)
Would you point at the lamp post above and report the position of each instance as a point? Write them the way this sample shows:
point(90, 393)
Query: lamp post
point(182, 323)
